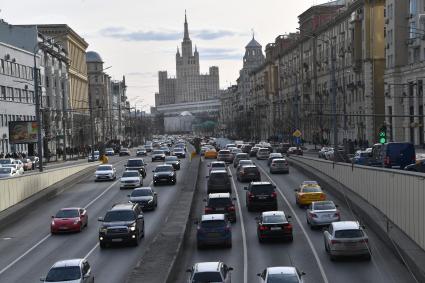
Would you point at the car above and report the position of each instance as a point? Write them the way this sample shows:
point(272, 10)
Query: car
point(393, 155)
point(123, 223)
point(213, 229)
point(5, 161)
point(283, 147)
point(203, 149)
point(246, 148)
point(8, 172)
point(279, 165)
point(219, 182)
point(263, 153)
point(242, 163)
point(308, 192)
point(238, 157)
point(109, 151)
point(248, 173)
point(210, 153)
point(274, 225)
point(70, 270)
point(179, 152)
point(229, 145)
point(272, 156)
point(19, 169)
point(35, 161)
point(322, 152)
point(217, 165)
point(235, 150)
point(418, 166)
point(158, 155)
point(72, 219)
point(225, 155)
point(253, 151)
point(210, 272)
point(141, 152)
point(105, 172)
point(94, 156)
point(281, 274)
point(146, 197)
point(361, 157)
point(295, 150)
point(221, 203)
point(322, 213)
point(174, 161)
point(166, 150)
point(124, 152)
point(131, 179)
point(136, 164)
point(27, 164)
point(261, 195)
point(164, 174)
point(148, 148)
point(346, 238)
point(181, 146)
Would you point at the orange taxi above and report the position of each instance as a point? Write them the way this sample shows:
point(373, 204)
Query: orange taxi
point(308, 192)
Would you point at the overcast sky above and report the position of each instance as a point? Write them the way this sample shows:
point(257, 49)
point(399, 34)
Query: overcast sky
point(140, 37)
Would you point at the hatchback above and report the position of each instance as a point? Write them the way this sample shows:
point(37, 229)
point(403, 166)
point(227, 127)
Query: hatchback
point(214, 229)
point(209, 272)
point(71, 270)
point(281, 274)
point(221, 203)
point(69, 220)
point(219, 182)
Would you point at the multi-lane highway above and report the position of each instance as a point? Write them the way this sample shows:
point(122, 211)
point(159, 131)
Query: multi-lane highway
point(248, 257)
point(28, 250)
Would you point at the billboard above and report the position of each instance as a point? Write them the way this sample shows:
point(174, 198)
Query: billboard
point(23, 132)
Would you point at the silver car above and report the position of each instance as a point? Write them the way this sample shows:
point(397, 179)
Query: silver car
point(146, 197)
point(8, 172)
point(281, 274)
point(71, 270)
point(105, 172)
point(131, 179)
point(346, 238)
point(263, 153)
point(322, 213)
point(279, 165)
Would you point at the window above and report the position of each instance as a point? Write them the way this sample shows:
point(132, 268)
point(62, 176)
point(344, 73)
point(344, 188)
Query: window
point(413, 7)
point(18, 94)
point(1, 66)
point(1, 120)
point(2, 92)
point(9, 94)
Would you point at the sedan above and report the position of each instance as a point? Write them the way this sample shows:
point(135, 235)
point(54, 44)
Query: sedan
point(279, 165)
point(94, 156)
point(131, 180)
point(322, 213)
point(124, 151)
point(274, 225)
point(158, 155)
point(27, 163)
point(141, 152)
point(69, 220)
point(179, 152)
point(272, 156)
point(109, 152)
point(146, 197)
point(164, 174)
point(281, 274)
point(105, 172)
point(18, 169)
point(8, 172)
point(209, 272)
point(174, 161)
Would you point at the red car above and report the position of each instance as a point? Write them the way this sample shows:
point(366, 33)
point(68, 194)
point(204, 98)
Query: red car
point(72, 219)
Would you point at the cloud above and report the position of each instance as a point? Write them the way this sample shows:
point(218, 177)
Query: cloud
point(220, 54)
point(164, 35)
point(142, 74)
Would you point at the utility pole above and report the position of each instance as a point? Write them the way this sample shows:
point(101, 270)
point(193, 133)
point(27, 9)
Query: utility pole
point(37, 112)
point(91, 124)
point(333, 81)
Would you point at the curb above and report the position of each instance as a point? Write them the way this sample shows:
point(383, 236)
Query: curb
point(406, 250)
point(158, 263)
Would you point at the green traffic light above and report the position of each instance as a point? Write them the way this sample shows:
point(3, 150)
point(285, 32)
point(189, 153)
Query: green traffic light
point(382, 140)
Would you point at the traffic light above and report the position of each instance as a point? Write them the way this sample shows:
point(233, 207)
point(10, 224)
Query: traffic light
point(382, 137)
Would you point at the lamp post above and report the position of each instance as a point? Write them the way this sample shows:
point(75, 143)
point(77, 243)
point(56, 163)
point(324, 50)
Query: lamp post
point(37, 111)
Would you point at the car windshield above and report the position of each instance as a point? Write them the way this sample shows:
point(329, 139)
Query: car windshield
point(218, 165)
point(273, 219)
point(130, 174)
point(119, 215)
point(213, 223)
point(163, 169)
point(224, 152)
point(262, 189)
point(66, 273)
point(158, 152)
point(67, 213)
point(171, 158)
point(96, 152)
point(263, 150)
point(205, 277)
point(282, 278)
point(352, 233)
point(311, 189)
point(104, 168)
point(219, 202)
point(5, 170)
point(141, 193)
point(245, 162)
point(135, 162)
point(324, 206)
point(218, 177)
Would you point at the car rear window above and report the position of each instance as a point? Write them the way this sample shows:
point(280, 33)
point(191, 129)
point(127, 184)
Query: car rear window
point(210, 276)
point(311, 189)
point(219, 202)
point(171, 158)
point(218, 165)
point(353, 233)
point(263, 150)
point(224, 152)
point(141, 193)
point(324, 206)
point(281, 277)
point(273, 219)
point(213, 223)
point(158, 152)
point(279, 161)
point(262, 189)
point(135, 163)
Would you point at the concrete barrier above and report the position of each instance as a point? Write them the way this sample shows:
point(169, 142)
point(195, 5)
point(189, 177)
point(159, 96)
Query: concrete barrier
point(15, 190)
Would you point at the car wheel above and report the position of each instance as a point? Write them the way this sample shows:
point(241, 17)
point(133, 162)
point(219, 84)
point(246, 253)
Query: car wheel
point(102, 245)
point(229, 244)
point(154, 183)
point(260, 240)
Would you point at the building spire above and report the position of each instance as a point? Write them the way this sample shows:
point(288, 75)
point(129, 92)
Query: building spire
point(186, 29)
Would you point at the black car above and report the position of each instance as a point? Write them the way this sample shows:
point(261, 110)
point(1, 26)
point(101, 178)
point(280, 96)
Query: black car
point(219, 182)
point(146, 197)
point(274, 225)
point(248, 173)
point(221, 203)
point(136, 164)
point(164, 174)
point(419, 166)
point(173, 160)
point(124, 152)
point(158, 155)
point(123, 223)
point(261, 195)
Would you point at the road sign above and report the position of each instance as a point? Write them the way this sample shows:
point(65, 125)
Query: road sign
point(297, 133)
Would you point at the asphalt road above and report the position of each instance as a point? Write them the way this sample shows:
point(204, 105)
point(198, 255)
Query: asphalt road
point(248, 257)
point(28, 250)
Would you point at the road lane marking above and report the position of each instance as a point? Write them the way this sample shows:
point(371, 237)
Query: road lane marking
point(310, 243)
point(91, 251)
point(245, 250)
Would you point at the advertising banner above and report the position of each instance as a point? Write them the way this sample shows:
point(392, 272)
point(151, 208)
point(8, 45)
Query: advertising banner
point(22, 132)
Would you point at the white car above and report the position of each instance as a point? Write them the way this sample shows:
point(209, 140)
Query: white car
point(210, 272)
point(105, 172)
point(263, 153)
point(131, 179)
point(281, 274)
point(70, 271)
point(8, 172)
point(19, 169)
point(94, 156)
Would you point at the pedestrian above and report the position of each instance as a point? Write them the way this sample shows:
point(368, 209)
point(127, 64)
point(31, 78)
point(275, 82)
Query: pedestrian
point(2, 155)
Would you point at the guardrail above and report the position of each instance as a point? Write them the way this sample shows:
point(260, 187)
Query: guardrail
point(399, 195)
point(15, 190)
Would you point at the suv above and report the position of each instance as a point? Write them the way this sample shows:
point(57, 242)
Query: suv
point(225, 155)
point(213, 229)
point(238, 157)
point(248, 173)
point(76, 270)
point(136, 164)
point(158, 155)
point(221, 203)
point(261, 195)
point(122, 223)
point(210, 272)
point(219, 182)
point(263, 153)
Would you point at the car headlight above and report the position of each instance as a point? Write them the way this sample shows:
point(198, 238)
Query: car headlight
point(171, 174)
point(133, 228)
point(53, 223)
point(76, 221)
point(102, 230)
point(150, 201)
